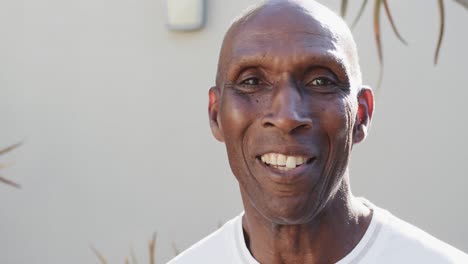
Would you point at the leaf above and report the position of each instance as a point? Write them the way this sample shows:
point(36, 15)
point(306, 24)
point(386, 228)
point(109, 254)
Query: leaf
point(10, 148)
point(441, 31)
point(152, 248)
point(99, 255)
point(464, 3)
point(344, 7)
point(378, 41)
point(133, 256)
point(3, 151)
point(361, 11)
point(390, 18)
point(175, 249)
point(9, 182)
point(2, 166)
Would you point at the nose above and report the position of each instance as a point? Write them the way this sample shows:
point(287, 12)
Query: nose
point(288, 112)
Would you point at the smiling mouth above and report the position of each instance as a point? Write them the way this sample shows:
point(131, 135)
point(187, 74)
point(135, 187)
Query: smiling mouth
point(284, 162)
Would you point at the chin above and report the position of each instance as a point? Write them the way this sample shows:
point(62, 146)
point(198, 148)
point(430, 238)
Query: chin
point(292, 211)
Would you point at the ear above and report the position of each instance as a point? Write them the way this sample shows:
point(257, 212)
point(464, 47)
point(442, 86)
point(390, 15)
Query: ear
point(364, 114)
point(213, 108)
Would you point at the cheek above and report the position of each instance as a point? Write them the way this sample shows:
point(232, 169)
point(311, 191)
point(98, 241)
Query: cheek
point(337, 123)
point(337, 118)
point(237, 113)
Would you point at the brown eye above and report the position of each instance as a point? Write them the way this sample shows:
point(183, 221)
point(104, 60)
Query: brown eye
point(251, 81)
point(322, 81)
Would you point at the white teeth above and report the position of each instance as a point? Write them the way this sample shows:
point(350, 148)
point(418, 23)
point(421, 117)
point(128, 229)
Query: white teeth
point(291, 162)
point(283, 162)
point(300, 160)
point(273, 159)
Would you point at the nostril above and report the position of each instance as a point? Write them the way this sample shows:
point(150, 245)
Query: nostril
point(300, 127)
point(268, 124)
point(305, 125)
point(287, 124)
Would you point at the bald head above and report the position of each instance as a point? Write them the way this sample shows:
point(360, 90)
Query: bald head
point(280, 17)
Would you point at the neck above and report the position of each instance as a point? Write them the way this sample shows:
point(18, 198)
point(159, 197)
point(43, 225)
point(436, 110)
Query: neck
point(329, 237)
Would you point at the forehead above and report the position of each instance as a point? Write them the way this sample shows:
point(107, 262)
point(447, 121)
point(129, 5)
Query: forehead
point(284, 34)
point(286, 15)
point(280, 45)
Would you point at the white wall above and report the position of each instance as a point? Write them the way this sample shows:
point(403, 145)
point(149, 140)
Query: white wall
point(112, 110)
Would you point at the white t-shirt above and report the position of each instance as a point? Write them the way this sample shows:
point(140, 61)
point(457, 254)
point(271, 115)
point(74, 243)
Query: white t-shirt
point(388, 239)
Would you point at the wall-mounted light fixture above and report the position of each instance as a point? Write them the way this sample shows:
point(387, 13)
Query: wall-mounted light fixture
point(185, 15)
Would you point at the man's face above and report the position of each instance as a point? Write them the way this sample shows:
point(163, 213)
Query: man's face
point(286, 111)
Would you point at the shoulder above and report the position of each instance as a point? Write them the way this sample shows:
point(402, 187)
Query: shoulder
point(215, 248)
point(404, 242)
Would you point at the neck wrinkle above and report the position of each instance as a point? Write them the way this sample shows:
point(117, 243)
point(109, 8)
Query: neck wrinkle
point(329, 237)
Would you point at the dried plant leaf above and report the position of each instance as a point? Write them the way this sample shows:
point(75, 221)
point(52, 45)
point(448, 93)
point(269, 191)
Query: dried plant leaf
point(10, 182)
point(2, 166)
point(10, 148)
point(390, 18)
point(4, 151)
point(152, 248)
point(361, 11)
point(98, 254)
point(441, 31)
point(133, 256)
point(344, 7)
point(464, 3)
point(378, 41)
point(175, 249)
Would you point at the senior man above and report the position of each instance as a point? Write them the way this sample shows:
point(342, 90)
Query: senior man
point(289, 105)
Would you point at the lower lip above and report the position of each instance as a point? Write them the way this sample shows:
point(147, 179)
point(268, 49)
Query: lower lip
point(288, 176)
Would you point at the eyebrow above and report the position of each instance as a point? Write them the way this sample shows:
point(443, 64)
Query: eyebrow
point(326, 60)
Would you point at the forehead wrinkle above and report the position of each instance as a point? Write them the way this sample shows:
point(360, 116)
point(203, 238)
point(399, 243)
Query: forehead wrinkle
point(276, 35)
point(258, 54)
point(320, 19)
point(257, 43)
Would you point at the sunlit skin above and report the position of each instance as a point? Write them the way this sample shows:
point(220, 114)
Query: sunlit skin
point(289, 82)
